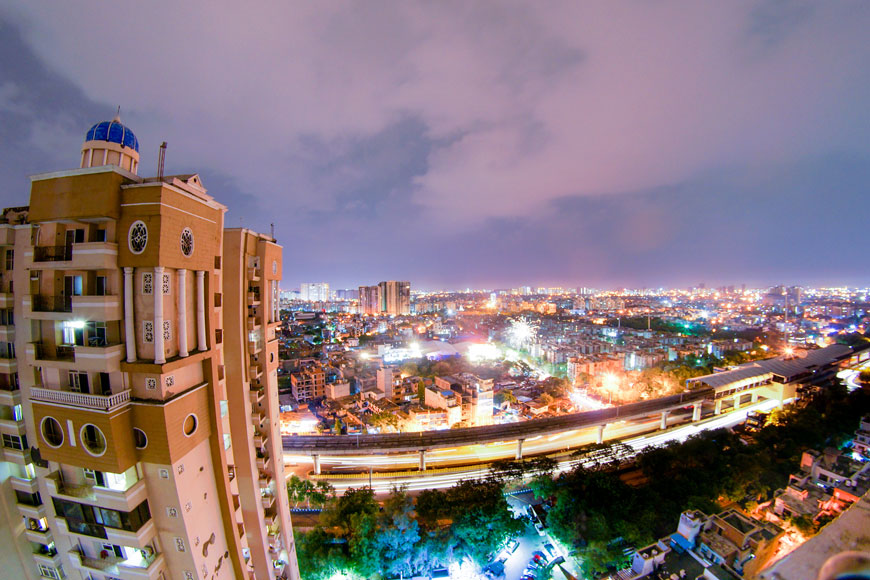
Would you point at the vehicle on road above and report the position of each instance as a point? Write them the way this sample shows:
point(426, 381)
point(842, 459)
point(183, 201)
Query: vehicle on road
point(550, 550)
point(511, 546)
point(539, 527)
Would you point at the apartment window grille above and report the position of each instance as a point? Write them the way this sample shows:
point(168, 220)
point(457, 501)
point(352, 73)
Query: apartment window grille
point(167, 330)
point(167, 284)
point(170, 381)
point(48, 572)
point(151, 383)
point(148, 283)
point(148, 331)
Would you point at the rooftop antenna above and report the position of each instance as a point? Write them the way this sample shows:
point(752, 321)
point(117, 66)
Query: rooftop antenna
point(272, 230)
point(161, 158)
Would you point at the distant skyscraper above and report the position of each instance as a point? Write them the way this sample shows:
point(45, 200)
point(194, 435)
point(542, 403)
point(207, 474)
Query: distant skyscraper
point(369, 300)
point(314, 291)
point(389, 297)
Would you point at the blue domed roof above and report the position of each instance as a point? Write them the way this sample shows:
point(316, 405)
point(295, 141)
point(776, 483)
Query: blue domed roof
point(114, 132)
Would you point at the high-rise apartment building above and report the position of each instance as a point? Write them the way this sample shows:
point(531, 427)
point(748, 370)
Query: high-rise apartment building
point(314, 292)
point(390, 297)
point(369, 300)
point(138, 395)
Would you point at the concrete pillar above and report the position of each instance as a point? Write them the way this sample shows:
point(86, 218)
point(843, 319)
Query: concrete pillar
point(182, 313)
point(696, 412)
point(422, 460)
point(718, 409)
point(159, 352)
point(737, 398)
point(664, 423)
point(520, 448)
point(129, 313)
point(600, 438)
point(316, 459)
point(201, 342)
point(754, 397)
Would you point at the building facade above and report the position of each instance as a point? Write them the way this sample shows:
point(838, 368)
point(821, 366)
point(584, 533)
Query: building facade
point(136, 346)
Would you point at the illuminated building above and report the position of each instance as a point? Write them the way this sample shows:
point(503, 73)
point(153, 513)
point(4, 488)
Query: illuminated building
point(139, 406)
point(314, 292)
point(369, 300)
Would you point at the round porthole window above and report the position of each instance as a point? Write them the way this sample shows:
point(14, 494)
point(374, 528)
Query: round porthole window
point(187, 242)
point(51, 431)
point(189, 425)
point(93, 440)
point(139, 438)
point(138, 237)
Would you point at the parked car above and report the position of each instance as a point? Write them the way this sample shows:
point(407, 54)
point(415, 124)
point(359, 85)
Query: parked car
point(539, 527)
point(512, 546)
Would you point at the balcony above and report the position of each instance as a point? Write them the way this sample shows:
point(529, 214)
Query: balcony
point(51, 559)
point(40, 303)
point(38, 536)
point(256, 395)
point(261, 440)
point(18, 456)
point(121, 500)
point(257, 417)
point(10, 395)
point(84, 256)
point(253, 323)
point(136, 567)
point(24, 485)
point(264, 462)
point(267, 500)
point(103, 308)
point(12, 427)
point(255, 371)
point(102, 358)
point(8, 365)
point(253, 298)
point(37, 512)
point(138, 539)
point(7, 333)
point(253, 274)
point(7, 300)
point(93, 402)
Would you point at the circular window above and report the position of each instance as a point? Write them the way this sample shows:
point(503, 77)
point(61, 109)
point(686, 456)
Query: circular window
point(93, 440)
point(138, 237)
point(271, 357)
point(189, 425)
point(187, 242)
point(139, 438)
point(52, 432)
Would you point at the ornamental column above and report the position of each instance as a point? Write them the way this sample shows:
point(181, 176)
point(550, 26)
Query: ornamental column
point(129, 317)
point(182, 312)
point(159, 352)
point(200, 310)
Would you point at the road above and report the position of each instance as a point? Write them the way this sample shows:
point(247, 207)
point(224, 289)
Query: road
point(437, 480)
point(399, 442)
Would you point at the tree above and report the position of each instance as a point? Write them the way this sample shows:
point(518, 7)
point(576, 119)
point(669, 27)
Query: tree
point(398, 533)
point(505, 397)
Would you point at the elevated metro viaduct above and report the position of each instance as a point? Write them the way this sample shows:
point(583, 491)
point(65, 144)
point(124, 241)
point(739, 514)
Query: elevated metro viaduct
point(777, 379)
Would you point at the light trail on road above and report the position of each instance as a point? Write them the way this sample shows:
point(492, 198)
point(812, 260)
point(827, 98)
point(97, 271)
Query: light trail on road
point(423, 480)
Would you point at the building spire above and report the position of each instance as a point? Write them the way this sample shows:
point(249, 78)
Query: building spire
point(118, 115)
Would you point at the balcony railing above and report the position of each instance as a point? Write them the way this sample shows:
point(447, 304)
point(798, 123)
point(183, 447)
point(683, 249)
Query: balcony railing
point(52, 303)
point(52, 253)
point(60, 352)
point(97, 402)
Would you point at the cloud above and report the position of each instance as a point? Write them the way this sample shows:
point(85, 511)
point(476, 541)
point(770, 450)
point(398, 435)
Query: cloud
point(385, 120)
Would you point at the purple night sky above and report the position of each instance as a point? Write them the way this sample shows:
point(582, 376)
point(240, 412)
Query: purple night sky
point(483, 144)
